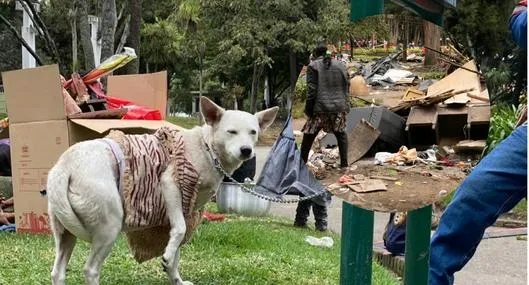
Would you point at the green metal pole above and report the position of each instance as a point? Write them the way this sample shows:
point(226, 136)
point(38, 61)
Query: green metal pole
point(418, 226)
point(357, 245)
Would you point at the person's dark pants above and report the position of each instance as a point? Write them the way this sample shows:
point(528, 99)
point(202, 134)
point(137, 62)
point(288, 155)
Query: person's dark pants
point(320, 212)
point(341, 138)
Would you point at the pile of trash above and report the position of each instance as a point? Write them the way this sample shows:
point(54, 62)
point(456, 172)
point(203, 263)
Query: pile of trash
point(434, 156)
point(386, 72)
point(321, 159)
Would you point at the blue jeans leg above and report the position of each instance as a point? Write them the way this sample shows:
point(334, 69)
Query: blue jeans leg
point(494, 187)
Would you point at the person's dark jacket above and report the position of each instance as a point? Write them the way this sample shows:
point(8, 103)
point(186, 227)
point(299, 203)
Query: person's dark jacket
point(328, 88)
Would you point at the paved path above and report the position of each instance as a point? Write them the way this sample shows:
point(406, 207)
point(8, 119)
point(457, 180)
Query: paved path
point(497, 260)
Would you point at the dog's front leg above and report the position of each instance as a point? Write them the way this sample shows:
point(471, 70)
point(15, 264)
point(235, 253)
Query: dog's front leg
point(173, 202)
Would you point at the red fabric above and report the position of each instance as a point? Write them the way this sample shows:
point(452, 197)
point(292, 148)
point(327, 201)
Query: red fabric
point(135, 112)
point(523, 3)
point(212, 217)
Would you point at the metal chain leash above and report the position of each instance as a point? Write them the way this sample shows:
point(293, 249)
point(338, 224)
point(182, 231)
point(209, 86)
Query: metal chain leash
point(247, 189)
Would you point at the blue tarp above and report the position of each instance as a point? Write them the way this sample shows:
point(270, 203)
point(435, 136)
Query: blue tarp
point(285, 172)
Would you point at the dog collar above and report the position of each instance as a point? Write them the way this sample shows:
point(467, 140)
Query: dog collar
point(209, 149)
point(214, 157)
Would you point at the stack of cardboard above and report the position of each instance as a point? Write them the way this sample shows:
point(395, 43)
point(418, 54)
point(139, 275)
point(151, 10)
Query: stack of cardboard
point(464, 116)
point(40, 131)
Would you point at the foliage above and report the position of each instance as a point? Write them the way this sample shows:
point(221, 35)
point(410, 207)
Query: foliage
point(161, 42)
point(237, 251)
point(10, 56)
point(300, 93)
point(502, 123)
point(480, 30)
point(366, 28)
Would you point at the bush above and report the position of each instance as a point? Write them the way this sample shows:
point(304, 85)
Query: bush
point(502, 123)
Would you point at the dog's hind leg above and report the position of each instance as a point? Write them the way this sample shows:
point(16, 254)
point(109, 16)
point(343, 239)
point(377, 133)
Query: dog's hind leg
point(102, 242)
point(64, 244)
point(173, 201)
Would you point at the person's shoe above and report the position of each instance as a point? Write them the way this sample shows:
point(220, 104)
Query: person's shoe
point(299, 224)
point(321, 228)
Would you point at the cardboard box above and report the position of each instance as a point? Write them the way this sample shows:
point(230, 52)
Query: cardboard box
point(40, 131)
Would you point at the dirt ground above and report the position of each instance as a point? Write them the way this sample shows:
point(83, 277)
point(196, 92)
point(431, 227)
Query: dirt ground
point(415, 186)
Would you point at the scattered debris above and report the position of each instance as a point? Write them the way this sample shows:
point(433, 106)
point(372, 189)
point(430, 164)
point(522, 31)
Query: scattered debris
point(414, 58)
point(212, 217)
point(323, 242)
point(383, 178)
point(412, 94)
point(424, 84)
point(381, 66)
point(368, 185)
point(358, 86)
point(361, 184)
point(393, 77)
point(470, 146)
point(404, 156)
point(428, 100)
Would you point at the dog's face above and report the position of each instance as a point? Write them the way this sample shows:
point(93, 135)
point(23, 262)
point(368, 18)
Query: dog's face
point(235, 133)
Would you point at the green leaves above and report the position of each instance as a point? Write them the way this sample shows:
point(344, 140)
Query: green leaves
point(502, 123)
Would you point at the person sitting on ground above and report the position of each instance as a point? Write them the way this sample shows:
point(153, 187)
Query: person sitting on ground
point(494, 187)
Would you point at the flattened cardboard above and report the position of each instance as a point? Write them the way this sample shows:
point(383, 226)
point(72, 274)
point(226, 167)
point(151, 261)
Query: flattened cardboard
point(148, 90)
point(34, 94)
point(35, 147)
point(458, 80)
point(88, 129)
point(103, 126)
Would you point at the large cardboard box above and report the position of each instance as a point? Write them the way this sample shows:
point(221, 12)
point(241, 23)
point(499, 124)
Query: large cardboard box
point(40, 131)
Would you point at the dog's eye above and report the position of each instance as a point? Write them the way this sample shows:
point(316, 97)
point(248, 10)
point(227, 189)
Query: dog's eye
point(253, 132)
point(233, 132)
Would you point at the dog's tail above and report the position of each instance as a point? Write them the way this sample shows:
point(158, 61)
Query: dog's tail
point(59, 203)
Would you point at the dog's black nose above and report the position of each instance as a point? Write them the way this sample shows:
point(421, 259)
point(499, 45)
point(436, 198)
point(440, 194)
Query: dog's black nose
point(246, 151)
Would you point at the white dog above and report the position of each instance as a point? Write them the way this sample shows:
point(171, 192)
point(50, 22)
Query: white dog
point(85, 201)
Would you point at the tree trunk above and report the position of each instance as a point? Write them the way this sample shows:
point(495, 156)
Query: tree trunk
point(124, 35)
point(108, 29)
point(351, 43)
point(84, 32)
point(293, 76)
point(73, 24)
point(133, 39)
point(406, 40)
point(257, 72)
point(431, 40)
point(253, 93)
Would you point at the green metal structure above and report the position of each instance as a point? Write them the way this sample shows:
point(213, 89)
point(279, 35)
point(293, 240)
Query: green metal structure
point(430, 10)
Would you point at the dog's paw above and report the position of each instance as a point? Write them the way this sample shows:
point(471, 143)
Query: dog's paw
point(186, 283)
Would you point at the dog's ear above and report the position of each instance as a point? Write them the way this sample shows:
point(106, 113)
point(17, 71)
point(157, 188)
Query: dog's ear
point(211, 112)
point(266, 117)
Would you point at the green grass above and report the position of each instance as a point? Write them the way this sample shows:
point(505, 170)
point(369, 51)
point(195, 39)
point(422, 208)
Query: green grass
point(521, 208)
point(184, 122)
point(237, 251)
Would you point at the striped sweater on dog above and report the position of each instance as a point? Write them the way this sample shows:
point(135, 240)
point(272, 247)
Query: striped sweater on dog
point(146, 157)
